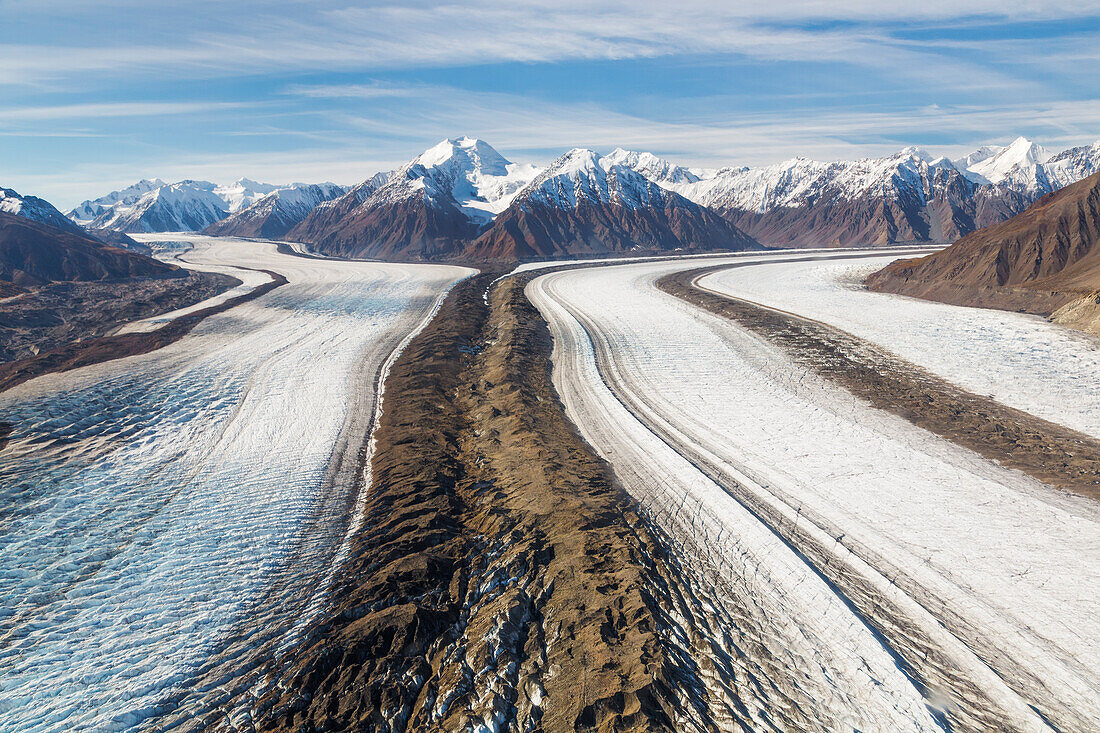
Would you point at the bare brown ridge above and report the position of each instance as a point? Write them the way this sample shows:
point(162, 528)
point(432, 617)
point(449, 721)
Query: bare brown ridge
point(499, 572)
point(1051, 453)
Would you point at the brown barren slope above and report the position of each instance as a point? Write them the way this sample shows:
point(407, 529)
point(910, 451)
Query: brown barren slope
point(1038, 262)
point(32, 253)
point(404, 229)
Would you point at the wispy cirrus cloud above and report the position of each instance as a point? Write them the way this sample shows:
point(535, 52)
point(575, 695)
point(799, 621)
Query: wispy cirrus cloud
point(113, 109)
point(295, 89)
point(266, 36)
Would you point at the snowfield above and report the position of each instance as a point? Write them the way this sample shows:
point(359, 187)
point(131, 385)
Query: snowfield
point(843, 540)
point(1023, 361)
point(162, 517)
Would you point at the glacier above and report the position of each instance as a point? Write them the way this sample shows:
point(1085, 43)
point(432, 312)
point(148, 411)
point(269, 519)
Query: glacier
point(167, 516)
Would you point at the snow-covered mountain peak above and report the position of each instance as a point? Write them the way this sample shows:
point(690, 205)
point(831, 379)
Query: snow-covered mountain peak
point(577, 160)
point(916, 153)
point(464, 154)
point(583, 176)
point(1016, 165)
point(465, 172)
point(35, 209)
point(90, 210)
point(243, 192)
point(182, 206)
point(658, 170)
point(985, 152)
point(1072, 165)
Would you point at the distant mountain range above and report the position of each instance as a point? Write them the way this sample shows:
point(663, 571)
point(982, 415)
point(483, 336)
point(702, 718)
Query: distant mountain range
point(276, 213)
point(156, 206)
point(463, 198)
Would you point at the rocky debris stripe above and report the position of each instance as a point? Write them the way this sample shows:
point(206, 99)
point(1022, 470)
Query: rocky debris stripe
point(947, 642)
point(497, 580)
point(1053, 454)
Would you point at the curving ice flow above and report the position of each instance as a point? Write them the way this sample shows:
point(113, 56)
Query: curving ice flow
point(701, 260)
point(170, 248)
point(163, 516)
point(1023, 361)
point(892, 579)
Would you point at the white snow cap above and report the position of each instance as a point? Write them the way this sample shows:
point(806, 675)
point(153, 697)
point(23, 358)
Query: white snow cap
point(467, 152)
point(1016, 162)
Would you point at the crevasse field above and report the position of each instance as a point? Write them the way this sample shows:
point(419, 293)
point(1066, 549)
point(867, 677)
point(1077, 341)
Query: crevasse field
point(839, 539)
point(169, 514)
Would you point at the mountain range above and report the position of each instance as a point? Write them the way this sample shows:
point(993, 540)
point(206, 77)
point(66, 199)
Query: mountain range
point(276, 213)
point(156, 206)
point(463, 198)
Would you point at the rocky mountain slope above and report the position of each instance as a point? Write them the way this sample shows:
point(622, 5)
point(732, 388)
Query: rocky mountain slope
point(588, 204)
point(1044, 259)
point(278, 212)
point(156, 206)
point(33, 253)
point(906, 197)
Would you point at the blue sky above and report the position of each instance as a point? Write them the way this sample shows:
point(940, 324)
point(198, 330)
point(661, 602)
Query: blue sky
point(97, 94)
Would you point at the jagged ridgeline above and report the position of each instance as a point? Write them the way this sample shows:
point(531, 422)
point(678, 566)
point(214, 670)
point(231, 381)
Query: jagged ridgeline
point(463, 199)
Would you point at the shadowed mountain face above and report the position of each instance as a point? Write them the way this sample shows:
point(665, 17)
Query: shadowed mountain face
point(586, 204)
point(397, 226)
point(463, 199)
point(1038, 261)
point(33, 253)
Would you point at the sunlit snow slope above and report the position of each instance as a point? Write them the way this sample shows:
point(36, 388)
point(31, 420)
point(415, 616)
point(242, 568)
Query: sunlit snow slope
point(1023, 361)
point(879, 578)
point(164, 516)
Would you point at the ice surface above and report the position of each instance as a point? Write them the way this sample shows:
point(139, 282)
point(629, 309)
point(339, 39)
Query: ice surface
point(250, 278)
point(1023, 361)
point(991, 571)
point(700, 260)
point(152, 507)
